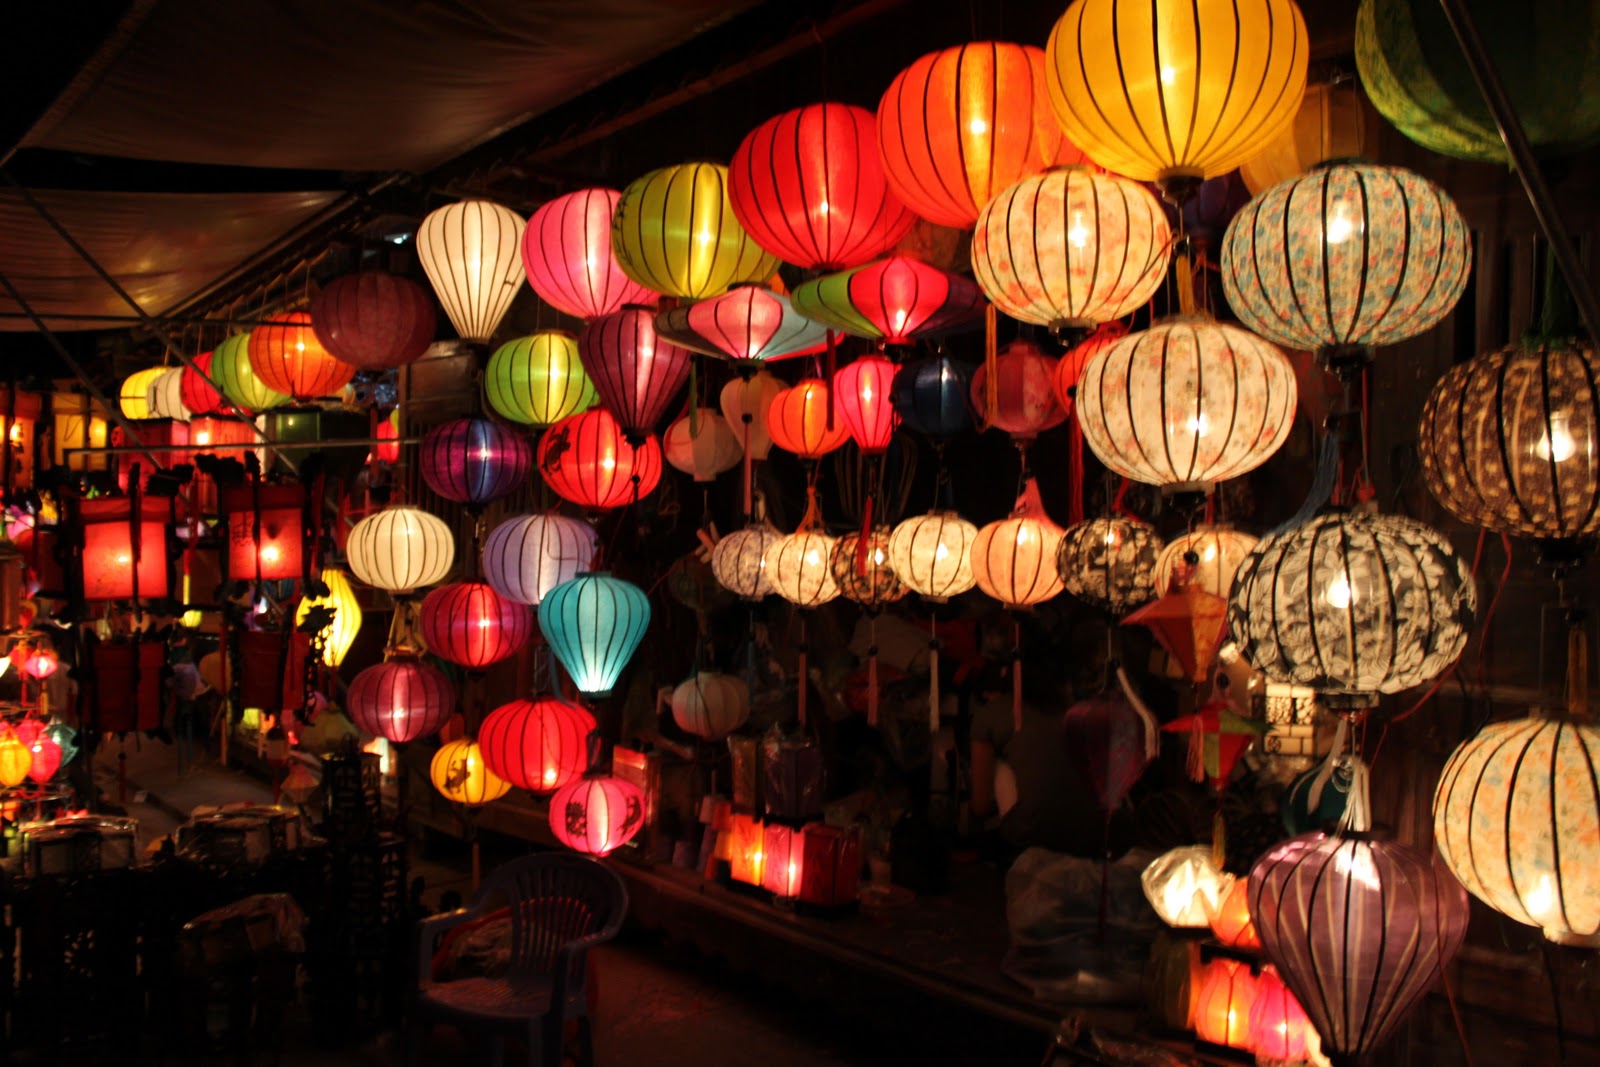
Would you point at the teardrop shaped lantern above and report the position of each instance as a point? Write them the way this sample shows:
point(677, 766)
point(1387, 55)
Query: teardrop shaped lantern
point(798, 421)
point(808, 186)
point(1014, 560)
point(374, 320)
point(597, 814)
point(1176, 90)
point(198, 395)
point(747, 324)
point(566, 251)
point(475, 460)
point(739, 561)
point(588, 460)
point(674, 232)
point(959, 125)
point(745, 402)
point(1024, 406)
point(164, 399)
point(287, 357)
point(932, 554)
point(799, 567)
point(134, 395)
point(539, 745)
point(1334, 121)
point(402, 699)
point(593, 624)
point(864, 572)
point(233, 373)
point(1070, 248)
point(711, 705)
point(1186, 404)
point(538, 380)
point(1109, 562)
point(895, 301)
point(401, 549)
point(340, 634)
point(526, 557)
point(471, 252)
point(1208, 556)
point(865, 388)
point(44, 758)
point(472, 626)
point(930, 396)
point(702, 445)
point(1280, 1032)
point(460, 774)
point(636, 373)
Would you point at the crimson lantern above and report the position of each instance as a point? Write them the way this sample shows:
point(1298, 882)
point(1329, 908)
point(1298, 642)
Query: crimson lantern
point(475, 460)
point(123, 558)
point(588, 460)
point(636, 373)
point(895, 300)
point(199, 395)
point(597, 814)
point(265, 524)
point(539, 745)
point(808, 186)
point(401, 699)
point(472, 626)
point(747, 324)
point(287, 357)
point(1025, 405)
point(374, 320)
point(798, 421)
point(865, 402)
point(567, 252)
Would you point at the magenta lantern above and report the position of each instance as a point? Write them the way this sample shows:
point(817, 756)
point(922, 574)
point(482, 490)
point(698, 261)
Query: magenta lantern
point(635, 372)
point(401, 699)
point(1111, 743)
point(862, 391)
point(747, 324)
point(567, 252)
point(597, 814)
point(475, 460)
point(472, 626)
point(374, 320)
point(1025, 399)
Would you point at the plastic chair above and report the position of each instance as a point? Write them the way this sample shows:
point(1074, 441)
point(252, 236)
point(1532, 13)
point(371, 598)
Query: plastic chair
point(560, 905)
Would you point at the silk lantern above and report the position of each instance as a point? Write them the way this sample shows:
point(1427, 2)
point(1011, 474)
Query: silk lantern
point(402, 699)
point(1109, 562)
point(470, 253)
point(236, 377)
point(1332, 122)
point(1353, 606)
point(864, 389)
point(566, 252)
point(198, 395)
point(799, 567)
point(674, 232)
point(739, 561)
point(747, 324)
point(374, 320)
point(287, 358)
point(124, 553)
point(526, 557)
point(265, 525)
point(1186, 404)
point(1279, 1029)
point(930, 396)
point(862, 570)
point(587, 459)
point(475, 460)
point(539, 745)
point(636, 373)
point(798, 420)
point(1014, 560)
point(15, 761)
point(164, 400)
point(472, 626)
point(1208, 556)
point(1111, 743)
point(745, 402)
point(701, 445)
point(460, 774)
point(1183, 885)
point(1024, 404)
point(134, 395)
point(932, 554)
point(894, 301)
point(401, 549)
point(1190, 624)
point(339, 634)
point(597, 814)
point(1179, 90)
point(961, 124)
point(45, 758)
point(1070, 249)
point(1222, 1006)
point(1230, 919)
point(782, 860)
point(1349, 256)
point(710, 705)
point(1069, 367)
point(808, 186)
point(593, 624)
point(538, 380)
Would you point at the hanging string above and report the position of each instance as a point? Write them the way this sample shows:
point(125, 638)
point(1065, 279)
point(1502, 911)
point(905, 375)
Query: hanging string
point(1324, 774)
point(1577, 694)
point(1016, 674)
point(934, 699)
point(804, 668)
point(872, 668)
point(1075, 471)
point(991, 364)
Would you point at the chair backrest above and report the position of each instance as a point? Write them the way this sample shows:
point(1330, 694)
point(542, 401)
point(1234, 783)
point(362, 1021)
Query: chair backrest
point(553, 899)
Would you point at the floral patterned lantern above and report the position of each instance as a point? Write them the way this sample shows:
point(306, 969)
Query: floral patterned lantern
point(1024, 404)
point(1208, 556)
point(287, 358)
point(1110, 563)
point(236, 377)
point(566, 251)
point(930, 396)
point(526, 557)
point(374, 320)
point(198, 395)
point(674, 232)
point(636, 373)
point(895, 301)
point(862, 570)
point(597, 814)
point(401, 549)
point(747, 324)
point(538, 380)
point(469, 251)
point(475, 460)
point(798, 420)
point(588, 460)
point(932, 554)
point(402, 699)
point(739, 561)
point(472, 626)
point(711, 705)
point(702, 445)
point(460, 774)
point(594, 624)
point(799, 567)
point(539, 745)
point(864, 388)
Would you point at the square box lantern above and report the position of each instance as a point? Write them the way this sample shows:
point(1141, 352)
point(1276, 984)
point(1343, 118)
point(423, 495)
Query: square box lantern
point(265, 530)
point(121, 557)
point(791, 772)
point(78, 422)
point(20, 412)
point(830, 864)
point(124, 691)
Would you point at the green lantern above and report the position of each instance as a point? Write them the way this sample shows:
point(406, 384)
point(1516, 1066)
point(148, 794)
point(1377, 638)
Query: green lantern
point(539, 380)
point(231, 370)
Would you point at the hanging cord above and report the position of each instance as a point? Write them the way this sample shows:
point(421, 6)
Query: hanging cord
point(872, 667)
point(1322, 486)
point(991, 371)
point(1016, 673)
point(934, 699)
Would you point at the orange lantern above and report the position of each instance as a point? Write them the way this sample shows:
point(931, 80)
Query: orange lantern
point(124, 557)
point(587, 459)
point(287, 357)
point(1222, 1011)
point(746, 848)
point(798, 422)
point(265, 524)
point(1014, 560)
point(782, 860)
point(1230, 918)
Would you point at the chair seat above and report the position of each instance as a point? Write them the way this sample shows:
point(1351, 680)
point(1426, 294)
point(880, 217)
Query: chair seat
point(492, 998)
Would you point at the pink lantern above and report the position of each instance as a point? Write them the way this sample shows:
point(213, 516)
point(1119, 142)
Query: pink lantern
point(895, 300)
point(1025, 403)
point(862, 392)
point(747, 324)
point(46, 758)
point(1112, 744)
point(567, 252)
point(596, 814)
point(636, 373)
point(401, 699)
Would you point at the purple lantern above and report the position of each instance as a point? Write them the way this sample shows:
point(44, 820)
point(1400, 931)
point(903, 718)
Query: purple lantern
point(1110, 743)
point(1358, 929)
point(635, 372)
point(473, 461)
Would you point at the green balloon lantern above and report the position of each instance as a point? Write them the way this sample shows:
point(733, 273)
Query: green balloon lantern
point(231, 370)
point(539, 380)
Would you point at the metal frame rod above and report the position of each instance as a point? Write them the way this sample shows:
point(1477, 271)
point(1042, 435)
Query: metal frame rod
point(135, 320)
point(281, 446)
point(1524, 161)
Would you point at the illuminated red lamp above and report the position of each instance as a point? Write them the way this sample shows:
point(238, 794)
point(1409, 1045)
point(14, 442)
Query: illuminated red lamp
point(864, 387)
point(374, 320)
point(596, 814)
point(567, 252)
point(1280, 1032)
point(388, 437)
point(199, 396)
point(1222, 1010)
point(40, 662)
point(783, 860)
point(401, 700)
point(272, 668)
point(830, 865)
point(287, 357)
point(636, 373)
point(472, 626)
point(122, 556)
point(746, 848)
point(124, 690)
point(587, 459)
point(798, 422)
point(1069, 368)
point(539, 745)
point(895, 300)
point(265, 530)
point(747, 324)
point(45, 757)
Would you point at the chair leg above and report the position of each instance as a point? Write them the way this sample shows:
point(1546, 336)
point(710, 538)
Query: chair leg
point(555, 1035)
point(536, 1050)
point(585, 1041)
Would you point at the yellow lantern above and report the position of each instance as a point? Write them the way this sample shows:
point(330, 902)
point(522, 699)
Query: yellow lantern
point(134, 397)
point(340, 634)
point(674, 232)
point(460, 775)
point(1334, 122)
point(15, 761)
point(1176, 91)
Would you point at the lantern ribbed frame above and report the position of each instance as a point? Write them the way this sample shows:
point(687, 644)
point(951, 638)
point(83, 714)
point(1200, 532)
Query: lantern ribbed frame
point(1109, 562)
point(593, 624)
point(539, 745)
point(1516, 817)
point(1186, 404)
point(401, 700)
point(199, 397)
point(461, 775)
point(703, 451)
point(339, 634)
point(288, 358)
point(597, 814)
point(1222, 1006)
point(1025, 405)
point(232, 371)
point(1352, 605)
point(865, 402)
point(797, 420)
point(636, 373)
point(1509, 441)
point(895, 300)
point(566, 252)
point(961, 124)
point(471, 253)
point(747, 324)
point(739, 561)
point(932, 554)
point(675, 232)
point(1350, 254)
point(1359, 930)
point(164, 398)
point(866, 578)
point(539, 380)
point(526, 557)
point(587, 459)
point(401, 549)
point(745, 402)
point(134, 395)
point(799, 567)
point(711, 705)
point(1014, 560)
point(475, 460)
point(374, 320)
point(1333, 121)
point(1221, 549)
point(472, 626)
point(808, 186)
point(930, 396)
point(1068, 368)
point(1071, 248)
point(1158, 89)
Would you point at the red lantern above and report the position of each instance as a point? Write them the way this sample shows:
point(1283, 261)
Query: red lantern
point(287, 357)
point(587, 459)
point(830, 866)
point(46, 757)
point(539, 745)
point(596, 814)
point(783, 860)
point(217, 434)
point(122, 557)
point(264, 530)
point(374, 320)
point(199, 396)
point(808, 186)
point(1222, 1010)
point(895, 300)
point(124, 689)
point(797, 421)
point(1190, 623)
point(1025, 403)
point(472, 626)
point(401, 699)
point(1064, 379)
point(1279, 1029)
point(567, 252)
point(864, 389)
point(40, 662)
point(636, 373)
point(388, 434)
point(272, 668)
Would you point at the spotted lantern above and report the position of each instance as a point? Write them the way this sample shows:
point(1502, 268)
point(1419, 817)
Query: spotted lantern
point(566, 252)
point(862, 569)
point(538, 380)
point(799, 566)
point(1110, 563)
point(675, 232)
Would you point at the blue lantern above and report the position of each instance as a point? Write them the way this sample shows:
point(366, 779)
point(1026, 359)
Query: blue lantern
point(593, 624)
point(931, 396)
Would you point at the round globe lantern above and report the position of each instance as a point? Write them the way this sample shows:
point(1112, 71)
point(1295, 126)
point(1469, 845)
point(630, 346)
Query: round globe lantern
point(539, 745)
point(234, 375)
point(134, 395)
point(288, 358)
point(1208, 556)
point(566, 252)
point(930, 396)
point(538, 380)
point(1109, 562)
point(636, 373)
point(674, 232)
point(475, 460)
point(402, 699)
point(472, 626)
point(739, 561)
point(1334, 121)
point(401, 549)
point(593, 624)
point(798, 420)
point(799, 567)
point(1280, 1032)
point(1014, 560)
point(862, 569)
point(1069, 368)
point(711, 705)
point(597, 814)
point(199, 396)
point(164, 398)
point(374, 320)
point(932, 554)
point(1024, 406)
point(1222, 1007)
point(460, 774)
point(526, 557)
point(470, 253)
point(589, 460)
point(864, 388)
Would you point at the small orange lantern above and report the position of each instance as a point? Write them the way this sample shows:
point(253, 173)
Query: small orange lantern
point(1222, 1012)
point(287, 357)
point(1230, 919)
point(265, 524)
point(746, 848)
point(797, 421)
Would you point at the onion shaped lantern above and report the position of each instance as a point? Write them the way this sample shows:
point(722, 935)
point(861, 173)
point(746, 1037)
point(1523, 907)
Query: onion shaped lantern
point(701, 445)
point(1349, 256)
point(472, 626)
point(236, 377)
point(711, 705)
point(460, 774)
point(470, 253)
point(539, 745)
point(1516, 817)
point(1014, 560)
point(1208, 556)
point(865, 389)
point(745, 402)
point(526, 557)
point(401, 549)
point(134, 395)
point(739, 561)
point(198, 395)
point(44, 758)
point(675, 232)
point(895, 301)
point(287, 357)
point(799, 567)
point(747, 324)
point(636, 373)
point(1110, 563)
point(932, 554)
point(1230, 919)
point(593, 624)
point(340, 633)
point(164, 398)
point(597, 814)
point(472, 461)
point(402, 699)
point(15, 761)
point(798, 420)
point(1352, 606)
point(808, 187)
point(930, 396)
point(1222, 1007)
point(1070, 249)
point(1333, 121)
point(588, 460)
point(1069, 368)
point(566, 252)
point(863, 571)
point(538, 380)
point(1186, 404)
point(1025, 406)
point(374, 320)
point(1178, 90)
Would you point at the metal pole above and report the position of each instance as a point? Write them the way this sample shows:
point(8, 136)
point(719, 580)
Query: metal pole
point(135, 320)
point(282, 446)
point(1523, 160)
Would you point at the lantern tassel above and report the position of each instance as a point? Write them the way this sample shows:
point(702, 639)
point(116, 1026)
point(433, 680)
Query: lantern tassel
point(1152, 727)
point(991, 362)
point(1183, 271)
point(1357, 816)
point(803, 670)
point(1016, 676)
point(872, 672)
point(933, 677)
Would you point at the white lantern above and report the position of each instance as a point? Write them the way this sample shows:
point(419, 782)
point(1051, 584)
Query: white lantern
point(1014, 560)
point(740, 561)
point(745, 401)
point(1184, 886)
point(401, 549)
point(711, 705)
point(164, 396)
point(527, 556)
point(471, 252)
point(932, 554)
point(1217, 552)
point(705, 450)
point(800, 568)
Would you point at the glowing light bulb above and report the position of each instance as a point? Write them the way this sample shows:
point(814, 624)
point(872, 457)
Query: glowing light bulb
point(124, 559)
point(1209, 554)
point(608, 463)
point(202, 438)
point(900, 320)
point(1078, 233)
point(940, 551)
point(1541, 899)
point(483, 453)
point(1169, 75)
point(1339, 594)
point(877, 558)
point(1556, 443)
point(704, 237)
point(812, 559)
point(269, 554)
point(1340, 228)
point(977, 127)
point(299, 346)
point(483, 624)
point(549, 775)
point(866, 392)
point(1199, 425)
point(822, 208)
point(1022, 534)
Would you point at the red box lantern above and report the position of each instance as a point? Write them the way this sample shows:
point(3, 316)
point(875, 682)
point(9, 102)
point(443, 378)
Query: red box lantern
point(783, 860)
point(264, 530)
point(830, 865)
point(123, 689)
point(746, 844)
point(272, 669)
point(122, 557)
point(158, 437)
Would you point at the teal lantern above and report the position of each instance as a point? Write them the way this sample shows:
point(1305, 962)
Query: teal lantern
point(593, 624)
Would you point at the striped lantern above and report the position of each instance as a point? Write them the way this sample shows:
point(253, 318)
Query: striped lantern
point(1109, 562)
point(538, 380)
point(1069, 368)
point(675, 232)
point(287, 357)
point(1208, 556)
point(475, 460)
point(800, 568)
point(566, 252)
point(711, 705)
point(199, 396)
point(865, 389)
point(472, 626)
point(593, 625)
point(134, 396)
point(932, 554)
point(402, 699)
point(539, 745)
point(863, 571)
point(460, 774)
point(798, 420)
point(340, 634)
point(1222, 1006)
point(470, 252)
point(747, 324)
point(587, 459)
point(597, 814)
point(401, 549)
point(1014, 560)
point(374, 320)
point(745, 402)
point(231, 370)
point(164, 398)
point(1334, 121)
point(636, 373)
point(895, 300)
point(739, 561)
point(702, 445)
point(526, 557)
point(931, 396)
